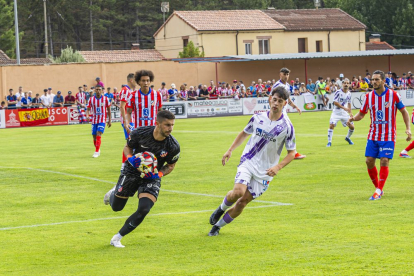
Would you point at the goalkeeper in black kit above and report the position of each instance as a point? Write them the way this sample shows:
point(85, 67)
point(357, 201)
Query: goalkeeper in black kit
point(158, 141)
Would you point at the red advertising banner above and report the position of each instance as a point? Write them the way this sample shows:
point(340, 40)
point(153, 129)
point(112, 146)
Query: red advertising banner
point(57, 116)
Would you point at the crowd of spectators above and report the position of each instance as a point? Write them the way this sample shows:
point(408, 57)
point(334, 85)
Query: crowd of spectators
point(224, 90)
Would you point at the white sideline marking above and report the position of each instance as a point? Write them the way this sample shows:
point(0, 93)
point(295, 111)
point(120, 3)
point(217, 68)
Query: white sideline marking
point(113, 183)
point(99, 219)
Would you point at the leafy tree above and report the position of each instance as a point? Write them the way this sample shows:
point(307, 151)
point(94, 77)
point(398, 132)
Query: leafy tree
point(7, 37)
point(68, 55)
point(190, 51)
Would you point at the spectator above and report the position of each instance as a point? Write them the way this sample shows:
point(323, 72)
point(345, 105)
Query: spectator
point(242, 86)
point(394, 79)
point(235, 82)
point(411, 81)
point(203, 93)
point(302, 88)
point(333, 88)
point(248, 93)
point(46, 102)
point(192, 94)
point(26, 101)
point(404, 82)
point(183, 93)
point(85, 89)
point(30, 95)
point(3, 105)
point(236, 92)
point(212, 94)
point(296, 85)
point(368, 79)
point(36, 102)
point(322, 92)
point(339, 82)
point(164, 92)
point(253, 87)
point(98, 82)
point(292, 82)
point(363, 86)
point(50, 94)
point(11, 100)
point(260, 88)
point(310, 87)
point(58, 100)
point(90, 94)
point(388, 81)
point(355, 86)
point(70, 99)
point(110, 96)
point(172, 93)
point(211, 86)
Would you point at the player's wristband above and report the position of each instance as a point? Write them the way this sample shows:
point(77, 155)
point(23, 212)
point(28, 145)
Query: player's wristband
point(160, 174)
point(129, 155)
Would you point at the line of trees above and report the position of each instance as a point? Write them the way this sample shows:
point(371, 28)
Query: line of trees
point(116, 24)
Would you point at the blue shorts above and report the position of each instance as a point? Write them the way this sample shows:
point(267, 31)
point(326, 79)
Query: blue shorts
point(125, 132)
point(379, 149)
point(98, 127)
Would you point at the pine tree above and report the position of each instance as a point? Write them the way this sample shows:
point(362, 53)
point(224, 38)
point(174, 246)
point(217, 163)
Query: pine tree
point(7, 38)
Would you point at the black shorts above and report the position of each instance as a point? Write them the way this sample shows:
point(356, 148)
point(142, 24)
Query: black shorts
point(130, 182)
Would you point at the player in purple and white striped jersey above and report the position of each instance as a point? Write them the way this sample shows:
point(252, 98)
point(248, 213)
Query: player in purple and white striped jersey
point(259, 163)
point(341, 112)
point(284, 81)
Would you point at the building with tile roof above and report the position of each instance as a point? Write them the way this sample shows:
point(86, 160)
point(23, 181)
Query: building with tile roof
point(122, 55)
point(5, 60)
point(240, 32)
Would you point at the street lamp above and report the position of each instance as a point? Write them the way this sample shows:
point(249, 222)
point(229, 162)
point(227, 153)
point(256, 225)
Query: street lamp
point(16, 32)
point(165, 7)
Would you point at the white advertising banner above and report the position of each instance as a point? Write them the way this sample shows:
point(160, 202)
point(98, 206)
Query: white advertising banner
point(179, 109)
point(212, 108)
point(2, 118)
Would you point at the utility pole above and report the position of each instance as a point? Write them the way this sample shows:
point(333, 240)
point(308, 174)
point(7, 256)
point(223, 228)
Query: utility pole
point(90, 22)
point(16, 32)
point(46, 44)
point(50, 37)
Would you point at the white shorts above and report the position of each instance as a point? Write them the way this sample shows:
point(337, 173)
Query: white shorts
point(255, 187)
point(339, 117)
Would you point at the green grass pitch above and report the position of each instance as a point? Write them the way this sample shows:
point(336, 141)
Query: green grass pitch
point(53, 220)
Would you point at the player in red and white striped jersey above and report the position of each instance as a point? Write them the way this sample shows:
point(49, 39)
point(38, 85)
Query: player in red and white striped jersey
point(101, 109)
point(404, 153)
point(124, 97)
point(382, 104)
point(81, 103)
point(144, 103)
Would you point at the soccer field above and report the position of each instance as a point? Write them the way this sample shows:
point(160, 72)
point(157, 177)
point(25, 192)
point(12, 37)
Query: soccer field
point(54, 221)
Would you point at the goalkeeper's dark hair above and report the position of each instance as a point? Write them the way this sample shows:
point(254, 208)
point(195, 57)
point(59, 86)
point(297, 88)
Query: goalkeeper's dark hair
point(144, 73)
point(281, 92)
point(284, 70)
point(164, 115)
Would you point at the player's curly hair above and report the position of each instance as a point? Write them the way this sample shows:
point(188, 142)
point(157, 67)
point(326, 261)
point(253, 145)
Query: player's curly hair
point(142, 73)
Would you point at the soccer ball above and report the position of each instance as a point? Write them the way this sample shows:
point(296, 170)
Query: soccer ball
point(148, 162)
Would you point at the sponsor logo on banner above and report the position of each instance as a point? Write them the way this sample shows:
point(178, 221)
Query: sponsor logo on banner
point(33, 117)
point(115, 114)
point(176, 108)
point(73, 114)
point(2, 118)
point(58, 116)
point(12, 120)
point(221, 107)
point(309, 106)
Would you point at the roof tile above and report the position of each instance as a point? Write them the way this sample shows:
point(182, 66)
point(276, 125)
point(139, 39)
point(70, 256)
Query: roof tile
point(314, 20)
point(372, 46)
point(122, 55)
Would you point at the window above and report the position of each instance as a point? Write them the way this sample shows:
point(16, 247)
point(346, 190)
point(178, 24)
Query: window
point(302, 45)
point(248, 48)
point(263, 46)
point(319, 46)
point(185, 42)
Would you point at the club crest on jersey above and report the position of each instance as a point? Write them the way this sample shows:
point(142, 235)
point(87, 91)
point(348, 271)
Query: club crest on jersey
point(387, 104)
point(266, 135)
point(152, 103)
point(146, 112)
point(380, 115)
point(163, 153)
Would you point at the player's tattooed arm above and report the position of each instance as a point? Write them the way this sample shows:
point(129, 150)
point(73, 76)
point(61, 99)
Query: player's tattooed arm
point(166, 169)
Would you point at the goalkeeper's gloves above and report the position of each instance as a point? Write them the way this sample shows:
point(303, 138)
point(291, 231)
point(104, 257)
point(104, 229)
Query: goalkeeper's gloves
point(152, 175)
point(131, 126)
point(135, 160)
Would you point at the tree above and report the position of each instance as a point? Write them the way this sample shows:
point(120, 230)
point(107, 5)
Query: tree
point(190, 51)
point(7, 37)
point(68, 55)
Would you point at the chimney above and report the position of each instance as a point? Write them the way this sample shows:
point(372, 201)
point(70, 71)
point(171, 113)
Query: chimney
point(135, 46)
point(375, 38)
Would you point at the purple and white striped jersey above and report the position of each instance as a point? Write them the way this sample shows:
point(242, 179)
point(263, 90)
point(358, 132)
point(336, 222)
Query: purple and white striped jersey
point(343, 99)
point(264, 147)
point(287, 87)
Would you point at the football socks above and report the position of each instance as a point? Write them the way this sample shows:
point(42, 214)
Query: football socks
point(373, 174)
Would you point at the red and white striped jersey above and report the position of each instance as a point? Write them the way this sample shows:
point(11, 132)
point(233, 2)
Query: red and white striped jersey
point(81, 97)
point(145, 107)
point(98, 108)
point(383, 111)
point(125, 93)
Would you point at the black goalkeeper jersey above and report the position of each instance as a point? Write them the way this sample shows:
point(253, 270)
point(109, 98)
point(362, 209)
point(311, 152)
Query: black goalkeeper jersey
point(166, 151)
